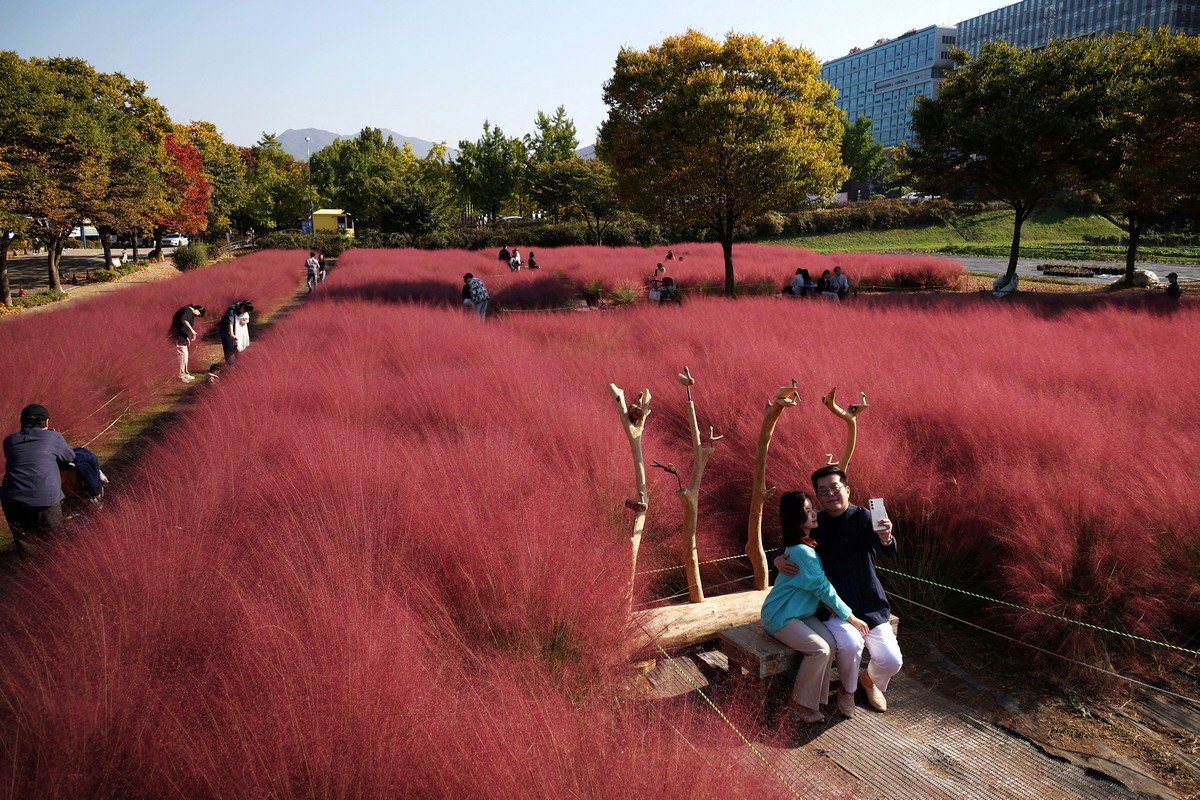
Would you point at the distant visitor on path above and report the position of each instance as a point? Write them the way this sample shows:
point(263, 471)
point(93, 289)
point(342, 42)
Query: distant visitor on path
point(1173, 290)
point(311, 268)
point(475, 294)
point(790, 611)
point(320, 267)
point(31, 493)
point(670, 256)
point(848, 545)
point(182, 333)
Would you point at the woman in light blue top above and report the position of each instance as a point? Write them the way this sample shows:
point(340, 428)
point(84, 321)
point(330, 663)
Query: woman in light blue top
point(789, 612)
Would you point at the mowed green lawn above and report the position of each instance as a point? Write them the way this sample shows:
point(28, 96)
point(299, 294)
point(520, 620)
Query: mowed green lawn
point(1054, 226)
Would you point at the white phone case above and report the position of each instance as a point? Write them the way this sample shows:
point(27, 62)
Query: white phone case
point(878, 512)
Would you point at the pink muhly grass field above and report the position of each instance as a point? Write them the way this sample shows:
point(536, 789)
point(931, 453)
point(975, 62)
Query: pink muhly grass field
point(436, 276)
point(362, 565)
point(89, 361)
point(388, 554)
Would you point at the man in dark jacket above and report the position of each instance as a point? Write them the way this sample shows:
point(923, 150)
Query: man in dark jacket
point(848, 545)
point(31, 493)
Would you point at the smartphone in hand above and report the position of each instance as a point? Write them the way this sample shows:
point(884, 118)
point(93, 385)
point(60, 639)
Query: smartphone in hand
point(878, 513)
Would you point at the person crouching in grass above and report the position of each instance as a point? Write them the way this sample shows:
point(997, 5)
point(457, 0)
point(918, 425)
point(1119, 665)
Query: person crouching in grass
point(789, 612)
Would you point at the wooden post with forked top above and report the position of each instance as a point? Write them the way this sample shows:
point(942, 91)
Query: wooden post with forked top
point(785, 397)
point(689, 495)
point(633, 420)
point(850, 416)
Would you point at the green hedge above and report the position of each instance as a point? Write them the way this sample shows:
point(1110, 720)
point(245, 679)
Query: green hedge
point(330, 243)
point(191, 256)
point(107, 275)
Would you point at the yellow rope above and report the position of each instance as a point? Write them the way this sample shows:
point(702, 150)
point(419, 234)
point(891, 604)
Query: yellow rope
point(1133, 636)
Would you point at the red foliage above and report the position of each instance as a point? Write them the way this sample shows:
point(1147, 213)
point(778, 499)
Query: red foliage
point(188, 187)
point(91, 361)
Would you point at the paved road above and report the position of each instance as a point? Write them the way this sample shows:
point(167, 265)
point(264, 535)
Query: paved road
point(30, 272)
point(1028, 267)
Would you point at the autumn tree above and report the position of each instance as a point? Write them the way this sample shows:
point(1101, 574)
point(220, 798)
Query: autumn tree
point(1011, 125)
point(224, 170)
point(488, 170)
point(711, 134)
point(579, 188)
point(187, 190)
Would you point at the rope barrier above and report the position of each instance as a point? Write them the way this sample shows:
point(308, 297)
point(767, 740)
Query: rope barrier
point(702, 563)
point(1049, 652)
point(1081, 623)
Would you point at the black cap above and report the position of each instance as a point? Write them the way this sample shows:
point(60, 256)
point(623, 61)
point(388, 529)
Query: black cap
point(33, 414)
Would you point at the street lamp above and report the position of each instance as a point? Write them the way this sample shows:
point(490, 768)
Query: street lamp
point(308, 162)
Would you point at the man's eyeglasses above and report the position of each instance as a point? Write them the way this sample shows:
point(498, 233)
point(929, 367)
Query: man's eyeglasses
point(832, 490)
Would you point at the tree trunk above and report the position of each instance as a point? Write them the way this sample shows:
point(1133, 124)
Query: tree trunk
point(1014, 250)
point(53, 256)
point(1137, 224)
point(135, 236)
point(727, 251)
point(106, 243)
point(5, 289)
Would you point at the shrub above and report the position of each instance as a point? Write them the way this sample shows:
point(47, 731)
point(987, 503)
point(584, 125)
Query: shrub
point(191, 256)
point(35, 299)
point(330, 243)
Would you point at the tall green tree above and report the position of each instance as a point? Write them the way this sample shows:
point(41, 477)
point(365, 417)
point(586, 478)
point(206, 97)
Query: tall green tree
point(278, 190)
point(1149, 165)
point(861, 154)
point(1011, 125)
point(423, 199)
point(710, 134)
point(581, 188)
point(554, 139)
point(358, 174)
point(488, 170)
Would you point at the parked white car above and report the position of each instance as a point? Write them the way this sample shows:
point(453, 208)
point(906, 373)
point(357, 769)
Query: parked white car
point(174, 240)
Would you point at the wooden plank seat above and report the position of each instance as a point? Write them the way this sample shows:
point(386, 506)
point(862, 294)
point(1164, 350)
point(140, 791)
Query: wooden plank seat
point(751, 649)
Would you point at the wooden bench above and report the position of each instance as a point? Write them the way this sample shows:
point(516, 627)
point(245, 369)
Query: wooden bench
point(750, 648)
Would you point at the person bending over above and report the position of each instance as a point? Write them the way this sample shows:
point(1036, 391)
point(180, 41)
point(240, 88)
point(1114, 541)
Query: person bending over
point(848, 546)
point(789, 612)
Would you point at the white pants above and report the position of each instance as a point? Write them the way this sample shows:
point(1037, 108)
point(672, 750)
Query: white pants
point(812, 640)
point(181, 353)
point(880, 643)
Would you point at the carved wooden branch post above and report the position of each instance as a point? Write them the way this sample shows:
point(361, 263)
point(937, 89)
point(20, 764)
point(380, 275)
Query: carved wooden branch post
point(785, 397)
point(850, 415)
point(633, 420)
point(689, 496)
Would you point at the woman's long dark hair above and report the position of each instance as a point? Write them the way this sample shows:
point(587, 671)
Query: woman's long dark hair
point(792, 517)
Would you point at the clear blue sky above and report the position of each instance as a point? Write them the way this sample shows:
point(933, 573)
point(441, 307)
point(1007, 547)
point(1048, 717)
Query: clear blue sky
point(431, 70)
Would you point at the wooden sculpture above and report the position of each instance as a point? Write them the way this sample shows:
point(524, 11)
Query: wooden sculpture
point(850, 415)
point(633, 420)
point(785, 397)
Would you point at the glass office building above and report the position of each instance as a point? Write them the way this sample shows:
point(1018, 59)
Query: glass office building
point(1032, 23)
point(883, 81)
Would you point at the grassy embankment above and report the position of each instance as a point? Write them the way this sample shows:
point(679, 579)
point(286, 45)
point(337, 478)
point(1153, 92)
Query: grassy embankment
point(1052, 235)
